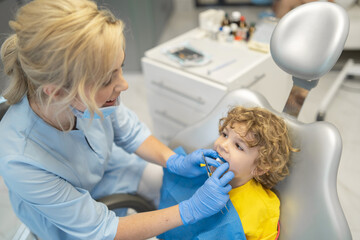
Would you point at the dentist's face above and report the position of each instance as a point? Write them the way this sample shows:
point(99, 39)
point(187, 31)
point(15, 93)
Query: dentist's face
point(232, 147)
point(111, 89)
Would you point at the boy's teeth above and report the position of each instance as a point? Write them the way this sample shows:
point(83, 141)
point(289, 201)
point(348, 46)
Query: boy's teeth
point(220, 159)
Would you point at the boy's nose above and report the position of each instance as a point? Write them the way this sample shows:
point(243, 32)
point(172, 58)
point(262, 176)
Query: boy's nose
point(224, 146)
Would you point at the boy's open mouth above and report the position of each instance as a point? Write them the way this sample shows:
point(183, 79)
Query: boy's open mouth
point(221, 159)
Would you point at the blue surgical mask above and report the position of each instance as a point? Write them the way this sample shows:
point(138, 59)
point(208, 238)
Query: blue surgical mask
point(106, 111)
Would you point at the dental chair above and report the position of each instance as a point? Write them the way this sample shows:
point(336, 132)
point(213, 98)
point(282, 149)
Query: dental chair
point(306, 44)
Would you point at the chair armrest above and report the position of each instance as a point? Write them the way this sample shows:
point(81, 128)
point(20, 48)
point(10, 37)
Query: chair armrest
point(121, 200)
point(3, 108)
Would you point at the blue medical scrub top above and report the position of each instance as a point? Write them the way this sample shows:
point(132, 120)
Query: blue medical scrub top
point(53, 177)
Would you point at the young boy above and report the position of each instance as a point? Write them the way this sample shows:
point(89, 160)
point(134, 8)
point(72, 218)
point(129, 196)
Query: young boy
point(256, 144)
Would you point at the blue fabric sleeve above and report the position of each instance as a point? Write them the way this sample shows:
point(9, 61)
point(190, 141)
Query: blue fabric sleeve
point(129, 132)
point(54, 208)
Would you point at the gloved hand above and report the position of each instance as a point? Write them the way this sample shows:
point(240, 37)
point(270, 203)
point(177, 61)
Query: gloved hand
point(209, 199)
point(189, 165)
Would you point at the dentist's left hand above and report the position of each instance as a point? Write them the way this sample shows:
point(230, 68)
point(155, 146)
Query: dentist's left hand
point(189, 165)
point(210, 198)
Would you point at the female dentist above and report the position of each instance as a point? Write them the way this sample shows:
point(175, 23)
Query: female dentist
point(66, 139)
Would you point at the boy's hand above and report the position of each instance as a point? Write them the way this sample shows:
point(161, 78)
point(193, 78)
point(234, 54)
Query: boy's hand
point(209, 198)
point(189, 166)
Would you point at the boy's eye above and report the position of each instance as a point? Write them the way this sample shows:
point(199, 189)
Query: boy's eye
point(224, 134)
point(239, 147)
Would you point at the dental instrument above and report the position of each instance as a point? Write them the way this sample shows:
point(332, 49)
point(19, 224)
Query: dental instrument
point(209, 173)
point(210, 71)
point(208, 170)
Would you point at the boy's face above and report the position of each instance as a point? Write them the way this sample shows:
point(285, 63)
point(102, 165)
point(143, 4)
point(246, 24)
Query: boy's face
point(232, 147)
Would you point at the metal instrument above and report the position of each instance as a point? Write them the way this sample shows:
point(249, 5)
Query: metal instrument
point(209, 173)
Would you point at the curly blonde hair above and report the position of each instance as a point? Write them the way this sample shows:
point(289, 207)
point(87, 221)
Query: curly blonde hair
point(270, 134)
point(71, 44)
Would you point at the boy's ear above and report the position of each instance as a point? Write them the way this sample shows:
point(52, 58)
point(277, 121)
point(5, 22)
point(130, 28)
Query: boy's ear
point(259, 172)
point(51, 89)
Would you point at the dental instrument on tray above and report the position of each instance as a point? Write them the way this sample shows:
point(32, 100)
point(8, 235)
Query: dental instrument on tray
point(210, 71)
point(209, 173)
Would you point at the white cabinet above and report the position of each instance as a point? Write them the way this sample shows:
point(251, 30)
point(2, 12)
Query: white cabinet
point(181, 96)
point(177, 99)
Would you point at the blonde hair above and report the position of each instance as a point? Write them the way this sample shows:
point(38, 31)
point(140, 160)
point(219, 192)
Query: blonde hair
point(70, 44)
point(269, 133)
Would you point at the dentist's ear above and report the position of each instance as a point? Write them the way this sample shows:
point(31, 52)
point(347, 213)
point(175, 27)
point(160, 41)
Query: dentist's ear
point(52, 90)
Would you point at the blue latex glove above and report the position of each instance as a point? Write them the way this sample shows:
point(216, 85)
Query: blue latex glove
point(209, 199)
point(189, 165)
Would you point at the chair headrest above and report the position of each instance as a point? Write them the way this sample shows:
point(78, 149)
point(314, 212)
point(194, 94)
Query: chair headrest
point(309, 39)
